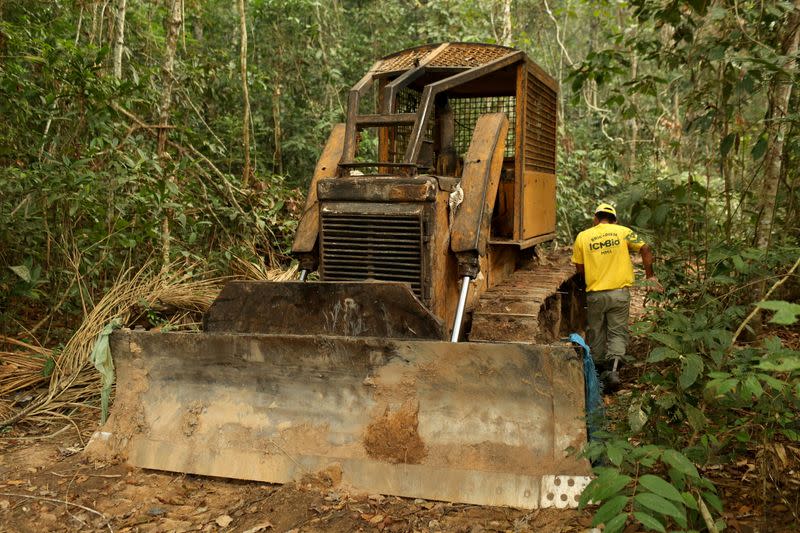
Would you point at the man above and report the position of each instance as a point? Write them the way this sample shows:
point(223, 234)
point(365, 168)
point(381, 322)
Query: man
point(602, 254)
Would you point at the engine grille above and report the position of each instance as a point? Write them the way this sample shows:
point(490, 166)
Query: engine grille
point(357, 247)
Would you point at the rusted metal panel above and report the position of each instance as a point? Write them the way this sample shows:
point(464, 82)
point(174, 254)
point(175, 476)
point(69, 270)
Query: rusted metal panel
point(353, 100)
point(487, 424)
point(390, 90)
point(539, 200)
point(447, 55)
point(519, 160)
point(355, 309)
point(374, 120)
point(443, 266)
point(479, 180)
point(379, 189)
point(308, 229)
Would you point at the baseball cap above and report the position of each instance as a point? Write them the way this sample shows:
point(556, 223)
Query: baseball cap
point(606, 208)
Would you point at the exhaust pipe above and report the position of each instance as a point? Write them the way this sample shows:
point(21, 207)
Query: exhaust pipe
point(462, 303)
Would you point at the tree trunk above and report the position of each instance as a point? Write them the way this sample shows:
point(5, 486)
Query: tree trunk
point(245, 94)
point(506, 35)
point(634, 123)
point(174, 23)
point(168, 72)
point(119, 38)
point(277, 158)
point(779, 96)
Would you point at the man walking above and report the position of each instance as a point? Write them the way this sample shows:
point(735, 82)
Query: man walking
point(602, 254)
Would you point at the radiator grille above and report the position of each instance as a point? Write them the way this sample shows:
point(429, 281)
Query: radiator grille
point(540, 127)
point(358, 247)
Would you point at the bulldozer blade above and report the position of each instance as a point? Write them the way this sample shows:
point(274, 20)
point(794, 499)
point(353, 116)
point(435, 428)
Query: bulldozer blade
point(347, 308)
point(485, 424)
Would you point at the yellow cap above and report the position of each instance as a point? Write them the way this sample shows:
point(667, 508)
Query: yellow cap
point(606, 208)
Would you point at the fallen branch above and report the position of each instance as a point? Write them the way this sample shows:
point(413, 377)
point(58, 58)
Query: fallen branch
point(55, 500)
point(756, 309)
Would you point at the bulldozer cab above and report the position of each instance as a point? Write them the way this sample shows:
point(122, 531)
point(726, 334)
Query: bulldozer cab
point(422, 106)
point(445, 167)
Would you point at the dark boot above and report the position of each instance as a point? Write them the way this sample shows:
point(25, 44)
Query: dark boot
point(610, 377)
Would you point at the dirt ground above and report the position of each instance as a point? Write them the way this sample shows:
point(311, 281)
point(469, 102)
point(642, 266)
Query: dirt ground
point(47, 484)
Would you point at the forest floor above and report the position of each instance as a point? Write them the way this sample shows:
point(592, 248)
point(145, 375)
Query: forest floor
point(48, 484)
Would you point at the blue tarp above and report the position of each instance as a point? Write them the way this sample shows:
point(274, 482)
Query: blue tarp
point(594, 398)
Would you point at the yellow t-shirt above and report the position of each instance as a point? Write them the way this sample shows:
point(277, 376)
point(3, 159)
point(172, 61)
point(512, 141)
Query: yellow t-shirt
point(604, 251)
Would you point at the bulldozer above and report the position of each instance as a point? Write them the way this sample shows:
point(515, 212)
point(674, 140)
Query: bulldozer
point(420, 353)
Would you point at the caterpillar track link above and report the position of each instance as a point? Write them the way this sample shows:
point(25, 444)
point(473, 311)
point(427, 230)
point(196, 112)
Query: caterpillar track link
point(540, 302)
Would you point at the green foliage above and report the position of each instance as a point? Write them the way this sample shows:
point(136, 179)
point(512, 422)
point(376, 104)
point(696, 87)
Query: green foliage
point(655, 486)
point(785, 312)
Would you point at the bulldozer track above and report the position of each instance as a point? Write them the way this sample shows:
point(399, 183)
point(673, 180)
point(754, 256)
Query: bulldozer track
point(537, 303)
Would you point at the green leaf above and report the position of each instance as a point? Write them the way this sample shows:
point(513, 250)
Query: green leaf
point(774, 384)
point(22, 271)
point(727, 144)
point(689, 501)
point(616, 524)
point(760, 147)
point(722, 386)
point(614, 454)
point(637, 418)
point(658, 504)
point(713, 500)
point(609, 510)
point(791, 434)
point(752, 387)
point(649, 522)
point(679, 462)
point(785, 312)
point(604, 486)
point(667, 340)
point(661, 353)
point(692, 366)
point(695, 416)
point(661, 487)
point(740, 265)
point(719, 375)
point(49, 366)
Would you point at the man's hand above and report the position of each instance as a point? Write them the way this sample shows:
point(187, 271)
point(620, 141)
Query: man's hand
point(653, 285)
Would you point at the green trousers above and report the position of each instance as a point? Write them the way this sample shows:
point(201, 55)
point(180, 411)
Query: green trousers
point(607, 323)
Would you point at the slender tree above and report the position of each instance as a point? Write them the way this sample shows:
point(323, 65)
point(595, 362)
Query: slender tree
point(776, 126)
point(174, 24)
point(245, 93)
point(119, 38)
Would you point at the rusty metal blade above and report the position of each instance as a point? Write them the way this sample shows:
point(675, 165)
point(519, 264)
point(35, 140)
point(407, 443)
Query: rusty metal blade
point(476, 423)
point(357, 309)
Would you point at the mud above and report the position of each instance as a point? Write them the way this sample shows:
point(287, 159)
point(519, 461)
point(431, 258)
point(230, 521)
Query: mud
point(191, 418)
point(127, 415)
point(395, 436)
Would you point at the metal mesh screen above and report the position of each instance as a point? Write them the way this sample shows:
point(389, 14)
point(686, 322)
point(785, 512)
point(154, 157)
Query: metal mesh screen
point(407, 101)
point(540, 127)
point(468, 55)
point(467, 110)
point(455, 55)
